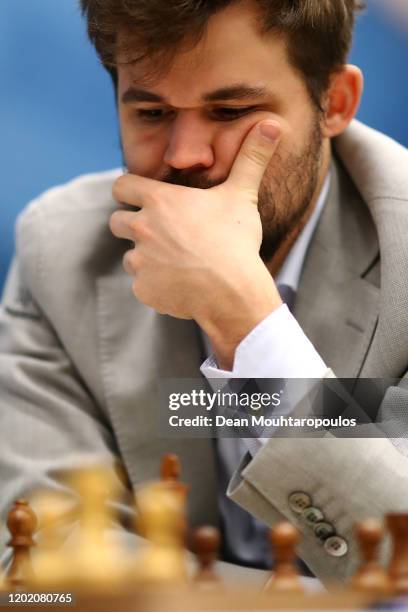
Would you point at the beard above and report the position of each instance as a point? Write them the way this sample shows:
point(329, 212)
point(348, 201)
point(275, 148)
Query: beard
point(285, 194)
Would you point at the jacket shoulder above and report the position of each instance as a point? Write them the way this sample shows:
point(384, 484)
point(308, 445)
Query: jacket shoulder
point(81, 194)
point(376, 163)
point(63, 237)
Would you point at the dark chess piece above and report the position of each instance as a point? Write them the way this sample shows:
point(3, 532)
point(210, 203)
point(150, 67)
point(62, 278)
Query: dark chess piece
point(170, 468)
point(398, 568)
point(22, 523)
point(170, 471)
point(370, 577)
point(285, 579)
point(205, 544)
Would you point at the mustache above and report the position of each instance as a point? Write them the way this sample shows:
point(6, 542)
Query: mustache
point(190, 178)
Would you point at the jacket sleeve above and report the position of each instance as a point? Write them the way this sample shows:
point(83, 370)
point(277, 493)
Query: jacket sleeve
point(49, 422)
point(346, 479)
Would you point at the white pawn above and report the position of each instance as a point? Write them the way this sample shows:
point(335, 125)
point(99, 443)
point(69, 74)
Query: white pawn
point(161, 520)
point(51, 565)
point(98, 564)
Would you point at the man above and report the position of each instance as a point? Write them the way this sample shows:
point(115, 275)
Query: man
point(246, 176)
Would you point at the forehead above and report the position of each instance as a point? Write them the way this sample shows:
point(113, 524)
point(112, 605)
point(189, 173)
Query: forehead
point(232, 50)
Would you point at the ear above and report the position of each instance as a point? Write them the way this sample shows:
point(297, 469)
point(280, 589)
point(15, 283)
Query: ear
point(342, 100)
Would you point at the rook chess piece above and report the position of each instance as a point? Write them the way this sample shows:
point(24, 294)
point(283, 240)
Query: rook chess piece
point(370, 577)
point(284, 538)
point(22, 523)
point(205, 544)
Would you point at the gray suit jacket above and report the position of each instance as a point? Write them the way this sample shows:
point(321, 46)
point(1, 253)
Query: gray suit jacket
point(80, 357)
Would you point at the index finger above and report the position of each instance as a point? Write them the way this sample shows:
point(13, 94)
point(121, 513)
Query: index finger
point(135, 190)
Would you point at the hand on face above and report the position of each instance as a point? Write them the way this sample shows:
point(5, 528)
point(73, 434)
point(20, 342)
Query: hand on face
point(196, 251)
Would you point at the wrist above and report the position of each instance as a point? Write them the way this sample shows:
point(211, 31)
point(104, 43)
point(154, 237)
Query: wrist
point(234, 316)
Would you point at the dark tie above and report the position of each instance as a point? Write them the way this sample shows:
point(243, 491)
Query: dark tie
point(246, 539)
point(288, 295)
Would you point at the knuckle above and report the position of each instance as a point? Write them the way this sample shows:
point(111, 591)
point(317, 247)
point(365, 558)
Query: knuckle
point(129, 262)
point(139, 292)
point(135, 225)
point(256, 156)
point(118, 187)
point(113, 223)
point(251, 195)
point(140, 229)
point(156, 195)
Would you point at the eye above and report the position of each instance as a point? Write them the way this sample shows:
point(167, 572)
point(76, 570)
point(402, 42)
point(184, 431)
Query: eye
point(152, 115)
point(230, 113)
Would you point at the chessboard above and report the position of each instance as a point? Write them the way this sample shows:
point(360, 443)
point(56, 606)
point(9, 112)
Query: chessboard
point(175, 568)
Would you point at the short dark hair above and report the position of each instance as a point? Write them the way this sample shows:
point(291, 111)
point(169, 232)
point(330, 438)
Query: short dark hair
point(318, 33)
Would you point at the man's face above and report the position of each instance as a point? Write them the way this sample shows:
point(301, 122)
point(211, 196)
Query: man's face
point(187, 125)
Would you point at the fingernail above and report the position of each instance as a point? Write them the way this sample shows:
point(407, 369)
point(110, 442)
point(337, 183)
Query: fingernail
point(270, 130)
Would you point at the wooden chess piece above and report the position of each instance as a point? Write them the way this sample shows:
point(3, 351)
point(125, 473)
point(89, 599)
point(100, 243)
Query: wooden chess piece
point(370, 577)
point(285, 579)
point(170, 471)
point(22, 523)
point(398, 568)
point(205, 544)
point(97, 560)
point(161, 519)
point(170, 468)
point(52, 568)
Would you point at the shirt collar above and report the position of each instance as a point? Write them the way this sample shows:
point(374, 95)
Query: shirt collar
point(291, 270)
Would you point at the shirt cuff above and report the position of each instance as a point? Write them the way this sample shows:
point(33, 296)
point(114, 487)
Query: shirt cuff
point(276, 348)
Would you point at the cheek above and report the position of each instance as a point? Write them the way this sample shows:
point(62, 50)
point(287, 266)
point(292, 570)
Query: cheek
point(226, 145)
point(230, 137)
point(228, 140)
point(143, 150)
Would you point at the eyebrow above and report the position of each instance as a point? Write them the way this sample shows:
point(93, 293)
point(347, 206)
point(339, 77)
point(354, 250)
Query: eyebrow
point(234, 92)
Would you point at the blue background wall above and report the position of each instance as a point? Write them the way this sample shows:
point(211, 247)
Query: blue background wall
point(57, 114)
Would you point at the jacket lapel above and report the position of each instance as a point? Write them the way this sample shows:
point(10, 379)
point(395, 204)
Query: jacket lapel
point(375, 163)
point(139, 347)
point(336, 306)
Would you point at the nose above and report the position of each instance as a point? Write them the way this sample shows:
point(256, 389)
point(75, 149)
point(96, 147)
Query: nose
point(189, 143)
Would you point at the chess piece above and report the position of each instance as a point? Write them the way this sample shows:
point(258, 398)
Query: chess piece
point(205, 544)
point(2, 582)
point(285, 579)
point(170, 471)
point(97, 563)
point(398, 568)
point(161, 519)
point(370, 577)
point(52, 569)
point(22, 523)
point(170, 468)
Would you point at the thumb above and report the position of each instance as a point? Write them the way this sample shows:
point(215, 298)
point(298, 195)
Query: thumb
point(254, 156)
